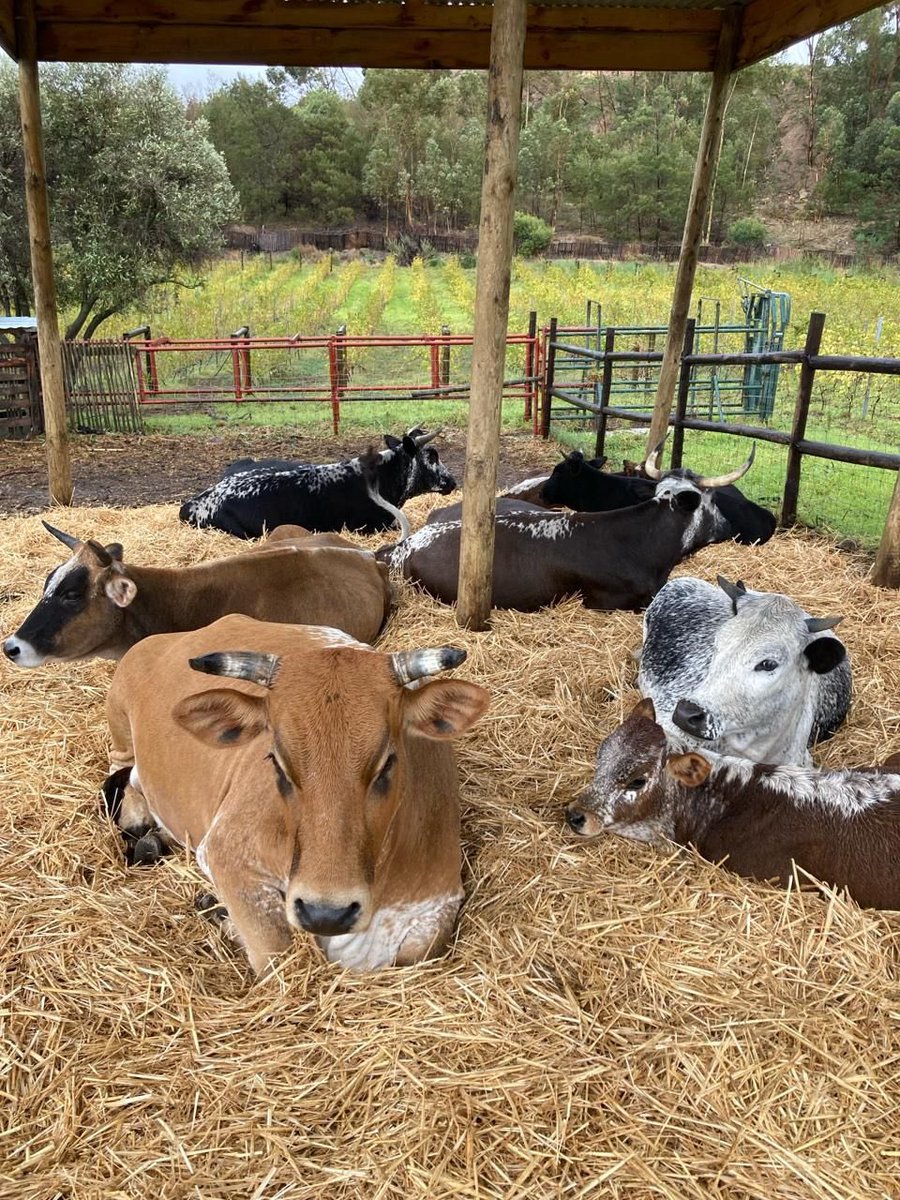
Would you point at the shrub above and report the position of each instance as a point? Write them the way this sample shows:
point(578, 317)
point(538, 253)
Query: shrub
point(532, 235)
point(468, 261)
point(748, 231)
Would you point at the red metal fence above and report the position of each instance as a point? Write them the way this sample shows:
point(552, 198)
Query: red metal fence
point(337, 369)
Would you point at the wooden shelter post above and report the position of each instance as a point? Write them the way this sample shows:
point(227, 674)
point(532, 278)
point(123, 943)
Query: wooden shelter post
point(886, 572)
point(693, 224)
point(59, 465)
point(495, 251)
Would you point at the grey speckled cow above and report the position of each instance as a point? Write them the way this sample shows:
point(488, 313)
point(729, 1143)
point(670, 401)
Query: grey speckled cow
point(742, 672)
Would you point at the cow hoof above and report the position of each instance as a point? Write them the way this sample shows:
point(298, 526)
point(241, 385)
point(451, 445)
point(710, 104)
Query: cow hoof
point(147, 850)
point(210, 909)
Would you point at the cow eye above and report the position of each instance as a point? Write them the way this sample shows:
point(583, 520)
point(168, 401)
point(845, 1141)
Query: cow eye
point(767, 664)
point(284, 784)
point(635, 785)
point(70, 597)
point(382, 780)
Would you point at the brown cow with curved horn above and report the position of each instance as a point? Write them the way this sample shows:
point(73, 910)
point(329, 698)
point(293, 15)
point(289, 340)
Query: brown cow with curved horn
point(97, 606)
point(317, 789)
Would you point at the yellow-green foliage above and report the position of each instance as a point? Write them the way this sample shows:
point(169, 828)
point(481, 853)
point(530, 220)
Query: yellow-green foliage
point(364, 316)
point(460, 284)
point(287, 298)
point(429, 312)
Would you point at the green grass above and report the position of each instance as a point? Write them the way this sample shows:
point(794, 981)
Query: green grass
point(371, 417)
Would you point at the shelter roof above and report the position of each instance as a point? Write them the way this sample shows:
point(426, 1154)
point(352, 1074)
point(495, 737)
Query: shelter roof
point(670, 35)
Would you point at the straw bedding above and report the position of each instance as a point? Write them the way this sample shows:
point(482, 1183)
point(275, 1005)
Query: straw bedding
point(611, 1020)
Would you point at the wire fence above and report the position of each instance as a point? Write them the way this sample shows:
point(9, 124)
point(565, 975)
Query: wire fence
point(844, 428)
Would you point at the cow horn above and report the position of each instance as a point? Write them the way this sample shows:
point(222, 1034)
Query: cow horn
point(240, 664)
point(734, 591)
point(424, 438)
point(651, 470)
point(102, 554)
point(818, 624)
point(67, 539)
point(408, 665)
point(713, 481)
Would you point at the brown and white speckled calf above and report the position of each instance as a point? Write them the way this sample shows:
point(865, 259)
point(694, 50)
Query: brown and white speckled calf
point(840, 826)
point(317, 789)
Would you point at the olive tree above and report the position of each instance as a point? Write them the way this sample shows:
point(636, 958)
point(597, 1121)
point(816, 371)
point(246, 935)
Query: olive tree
point(138, 194)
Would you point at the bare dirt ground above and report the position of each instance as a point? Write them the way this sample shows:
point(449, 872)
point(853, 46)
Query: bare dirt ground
point(131, 470)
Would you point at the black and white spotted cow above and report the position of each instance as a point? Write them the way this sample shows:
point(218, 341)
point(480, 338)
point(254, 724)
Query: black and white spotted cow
point(740, 672)
point(363, 494)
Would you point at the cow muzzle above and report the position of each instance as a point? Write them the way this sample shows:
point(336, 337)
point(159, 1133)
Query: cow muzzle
point(21, 654)
point(582, 820)
point(326, 920)
point(692, 719)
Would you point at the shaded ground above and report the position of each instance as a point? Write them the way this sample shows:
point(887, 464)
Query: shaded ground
point(131, 470)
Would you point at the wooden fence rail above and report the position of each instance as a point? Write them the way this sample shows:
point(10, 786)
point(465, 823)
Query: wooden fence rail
point(886, 572)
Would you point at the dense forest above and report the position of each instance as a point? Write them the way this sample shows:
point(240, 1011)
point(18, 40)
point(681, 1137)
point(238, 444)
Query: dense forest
point(142, 182)
point(606, 153)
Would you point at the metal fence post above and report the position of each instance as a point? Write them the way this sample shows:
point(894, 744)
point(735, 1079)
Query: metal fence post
point(445, 357)
point(801, 411)
point(236, 364)
point(605, 389)
point(549, 366)
point(529, 364)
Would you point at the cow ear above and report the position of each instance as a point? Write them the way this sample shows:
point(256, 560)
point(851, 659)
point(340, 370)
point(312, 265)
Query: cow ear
point(687, 500)
point(115, 551)
point(409, 446)
point(690, 770)
point(222, 717)
point(391, 442)
point(824, 654)
point(644, 708)
point(444, 708)
point(120, 589)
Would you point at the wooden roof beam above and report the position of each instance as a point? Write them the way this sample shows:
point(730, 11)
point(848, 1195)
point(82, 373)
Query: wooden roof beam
point(407, 35)
point(772, 25)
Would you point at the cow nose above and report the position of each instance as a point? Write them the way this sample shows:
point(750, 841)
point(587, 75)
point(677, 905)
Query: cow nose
point(325, 919)
point(11, 650)
point(575, 818)
point(690, 717)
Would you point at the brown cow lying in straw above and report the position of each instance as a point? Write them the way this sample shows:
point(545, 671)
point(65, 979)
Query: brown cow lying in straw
point(96, 606)
point(319, 792)
point(842, 827)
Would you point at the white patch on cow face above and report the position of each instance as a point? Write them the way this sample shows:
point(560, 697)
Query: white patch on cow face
point(327, 636)
point(58, 577)
point(411, 928)
point(759, 694)
point(27, 655)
